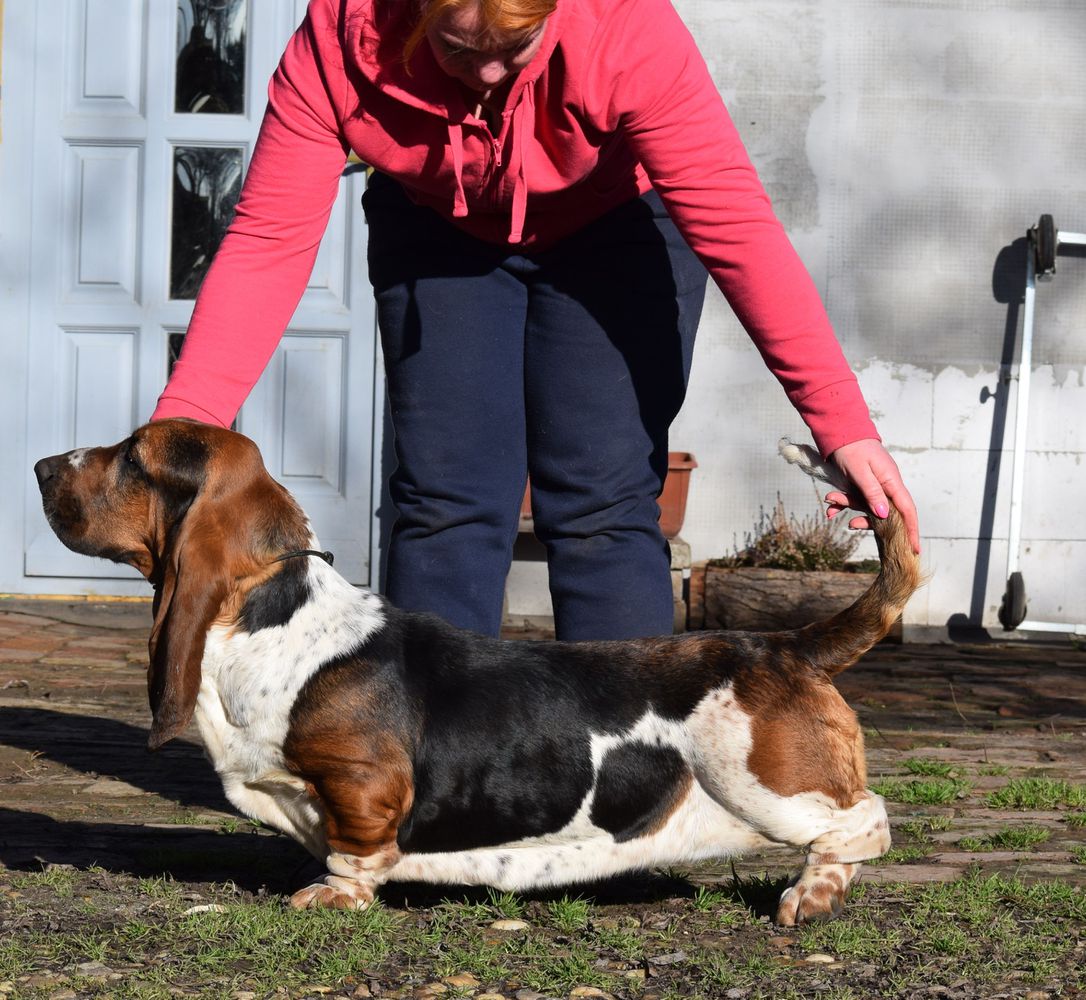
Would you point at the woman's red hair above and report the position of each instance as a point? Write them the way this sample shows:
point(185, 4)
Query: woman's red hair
point(503, 18)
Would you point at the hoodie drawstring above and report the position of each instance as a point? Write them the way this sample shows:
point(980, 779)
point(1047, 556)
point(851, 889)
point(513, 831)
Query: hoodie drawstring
point(456, 142)
point(523, 122)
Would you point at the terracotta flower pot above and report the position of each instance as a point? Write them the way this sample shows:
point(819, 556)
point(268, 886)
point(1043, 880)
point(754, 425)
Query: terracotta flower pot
point(672, 500)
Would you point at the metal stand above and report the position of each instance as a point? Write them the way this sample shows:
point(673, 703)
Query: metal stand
point(1042, 246)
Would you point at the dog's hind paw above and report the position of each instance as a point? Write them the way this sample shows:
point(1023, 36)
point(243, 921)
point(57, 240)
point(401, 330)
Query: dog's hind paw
point(818, 894)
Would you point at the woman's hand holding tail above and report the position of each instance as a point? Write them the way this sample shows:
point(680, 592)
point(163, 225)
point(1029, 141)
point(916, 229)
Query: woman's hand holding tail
point(877, 479)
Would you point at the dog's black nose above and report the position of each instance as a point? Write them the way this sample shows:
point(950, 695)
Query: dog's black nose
point(47, 468)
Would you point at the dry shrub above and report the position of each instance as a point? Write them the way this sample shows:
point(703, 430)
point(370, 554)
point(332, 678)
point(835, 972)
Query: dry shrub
point(783, 541)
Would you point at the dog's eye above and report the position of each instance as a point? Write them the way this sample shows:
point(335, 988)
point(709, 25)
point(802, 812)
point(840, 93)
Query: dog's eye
point(131, 463)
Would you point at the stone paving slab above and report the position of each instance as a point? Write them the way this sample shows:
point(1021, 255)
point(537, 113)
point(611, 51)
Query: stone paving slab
point(77, 785)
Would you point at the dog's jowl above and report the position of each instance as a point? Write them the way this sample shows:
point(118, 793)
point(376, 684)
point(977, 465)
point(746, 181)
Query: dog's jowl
point(394, 746)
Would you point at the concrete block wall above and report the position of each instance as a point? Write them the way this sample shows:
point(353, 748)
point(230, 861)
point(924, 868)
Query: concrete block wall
point(907, 146)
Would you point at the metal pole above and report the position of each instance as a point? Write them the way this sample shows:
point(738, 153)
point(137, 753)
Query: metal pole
point(1021, 411)
point(1025, 367)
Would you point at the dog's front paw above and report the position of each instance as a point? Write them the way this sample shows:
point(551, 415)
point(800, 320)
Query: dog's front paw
point(818, 894)
point(332, 895)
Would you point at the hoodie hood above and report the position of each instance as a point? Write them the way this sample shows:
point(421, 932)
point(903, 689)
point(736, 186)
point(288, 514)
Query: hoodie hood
point(376, 45)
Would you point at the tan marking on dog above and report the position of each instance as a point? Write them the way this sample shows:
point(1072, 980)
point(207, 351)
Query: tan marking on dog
point(804, 736)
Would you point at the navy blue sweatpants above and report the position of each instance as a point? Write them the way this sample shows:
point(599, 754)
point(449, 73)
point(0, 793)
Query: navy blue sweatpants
point(568, 364)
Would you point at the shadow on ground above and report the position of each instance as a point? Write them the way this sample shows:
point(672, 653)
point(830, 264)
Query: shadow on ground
point(98, 746)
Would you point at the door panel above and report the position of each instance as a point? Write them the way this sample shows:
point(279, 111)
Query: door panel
point(100, 246)
point(106, 44)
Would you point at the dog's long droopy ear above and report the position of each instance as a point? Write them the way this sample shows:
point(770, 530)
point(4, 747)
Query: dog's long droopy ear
point(192, 592)
point(231, 519)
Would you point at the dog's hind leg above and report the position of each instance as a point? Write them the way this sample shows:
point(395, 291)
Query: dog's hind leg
point(793, 771)
point(833, 862)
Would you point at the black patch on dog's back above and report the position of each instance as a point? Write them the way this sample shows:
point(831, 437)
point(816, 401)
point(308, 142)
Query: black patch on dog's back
point(504, 753)
point(500, 733)
point(636, 788)
point(504, 750)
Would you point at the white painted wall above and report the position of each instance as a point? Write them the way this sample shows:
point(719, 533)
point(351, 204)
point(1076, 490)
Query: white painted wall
point(907, 146)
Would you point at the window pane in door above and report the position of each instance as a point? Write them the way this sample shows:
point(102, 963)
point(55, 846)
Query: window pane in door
point(174, 342)
point(210, 72)
point(206, 185)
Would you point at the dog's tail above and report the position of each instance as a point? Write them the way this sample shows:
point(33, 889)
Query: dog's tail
point(838, 642)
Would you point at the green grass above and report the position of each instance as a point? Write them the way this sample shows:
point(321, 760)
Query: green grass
point(1075, 819)
point(725, 906)
point(721, 973)
point(569, 915)
point(625, 941)
point(982, 925)
point(921, 826)
point(238, 824)
point(191, 818)
point(849, 937)
point(706, 899)
point(1037, 793)
point(57, 879)
point(1013, 838)
point(932, 792)
point(917, 829)
point(989, 930)
point(507, 905)
point(902, 855)
point(261, 942)
point(925, 767)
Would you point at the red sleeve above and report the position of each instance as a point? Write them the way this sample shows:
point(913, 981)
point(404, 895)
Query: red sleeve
point(262, 266)
point(659, 92)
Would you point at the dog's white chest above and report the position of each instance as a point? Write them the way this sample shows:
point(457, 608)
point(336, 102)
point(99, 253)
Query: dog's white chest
point(249, 684)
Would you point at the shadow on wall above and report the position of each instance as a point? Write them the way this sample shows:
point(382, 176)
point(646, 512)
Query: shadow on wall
point(1008, 288)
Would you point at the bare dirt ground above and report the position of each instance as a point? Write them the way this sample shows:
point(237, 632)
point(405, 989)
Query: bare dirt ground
point(79, 794)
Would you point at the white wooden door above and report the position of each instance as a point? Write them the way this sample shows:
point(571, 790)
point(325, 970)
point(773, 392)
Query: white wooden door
point(146, 112)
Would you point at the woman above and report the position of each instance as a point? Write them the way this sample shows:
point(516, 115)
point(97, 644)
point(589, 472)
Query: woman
point(553, 179)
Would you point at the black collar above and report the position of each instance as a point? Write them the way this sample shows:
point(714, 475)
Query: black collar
point(326, 556)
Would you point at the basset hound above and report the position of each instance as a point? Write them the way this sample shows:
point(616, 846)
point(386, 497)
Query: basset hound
point(396, 747)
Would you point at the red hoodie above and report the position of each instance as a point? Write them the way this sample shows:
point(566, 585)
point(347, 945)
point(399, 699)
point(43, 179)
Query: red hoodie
point(616, 100)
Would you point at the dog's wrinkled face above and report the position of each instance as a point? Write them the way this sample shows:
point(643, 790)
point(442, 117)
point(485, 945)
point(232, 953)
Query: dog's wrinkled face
point(121, 502)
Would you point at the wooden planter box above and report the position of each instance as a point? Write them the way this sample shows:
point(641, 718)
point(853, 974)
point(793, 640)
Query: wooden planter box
point(764, 600)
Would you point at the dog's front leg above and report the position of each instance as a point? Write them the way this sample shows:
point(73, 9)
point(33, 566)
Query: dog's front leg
point(351, 883)
point(362, 814)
